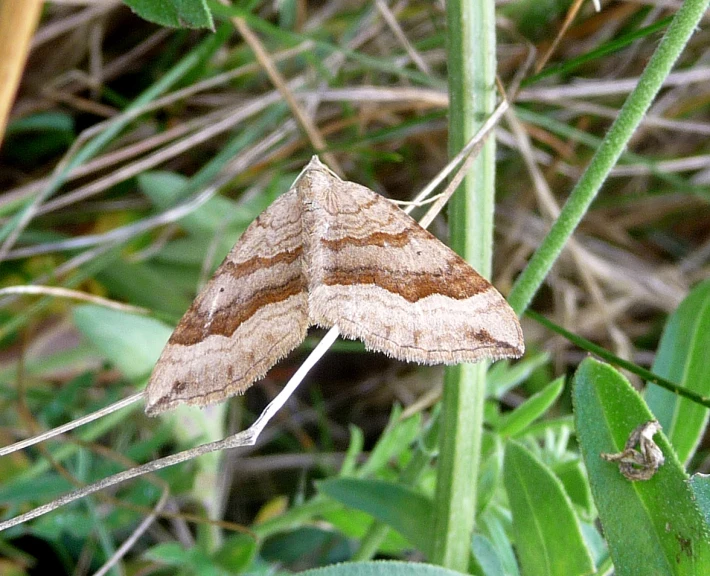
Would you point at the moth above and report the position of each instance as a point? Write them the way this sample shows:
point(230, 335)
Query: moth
point(330, 253)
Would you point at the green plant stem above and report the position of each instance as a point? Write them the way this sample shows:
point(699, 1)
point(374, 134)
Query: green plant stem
point(471, 60)
point(631, 114)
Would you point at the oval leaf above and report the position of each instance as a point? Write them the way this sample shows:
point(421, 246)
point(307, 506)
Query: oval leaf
point(653, 526)
point(548, 535)
point(485, 556)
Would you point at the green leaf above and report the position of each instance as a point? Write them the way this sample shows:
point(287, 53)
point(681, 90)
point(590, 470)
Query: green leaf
point(357, 441)
point(517, 421)
point(495, 524)
point(571, 474)
point(548, 535)
point(682, 358)
point(63, 523)
point(400, 507)
point(396, 437)
point(17, 491)
point(380, 568)
point(490, 471)
point(132, 343)
point(485, 556)
point(170, 553)
point(167, 189)
point(174, 13)
point(355, 525)
point(654, 526)
point(215, 226)
point(503, 376)
point(317, 545)
point(595, 544)
point(41, 122)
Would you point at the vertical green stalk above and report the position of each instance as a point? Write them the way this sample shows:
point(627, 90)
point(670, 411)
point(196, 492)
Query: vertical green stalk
point(472, 96)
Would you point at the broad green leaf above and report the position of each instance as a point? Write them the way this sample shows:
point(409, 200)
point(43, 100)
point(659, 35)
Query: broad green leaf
point(595, 544)
point(318, 545)
point(400, 507)
point(380, 568)
point(215, 226)
point(170, 553)
point(682, 358)
point(41, 122)
point(190, 561)
point(653, 526)
point(166, 189)
point(187, 251)
point(236, 553)
point(517, 421)
point(548, 536)
point(73, 522)
point(132, 343)
point(174, 13)
point(30, 141)
point(20, 490)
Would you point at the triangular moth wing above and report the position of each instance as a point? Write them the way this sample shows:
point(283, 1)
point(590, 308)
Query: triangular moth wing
point(380, 277)
point(252, 313)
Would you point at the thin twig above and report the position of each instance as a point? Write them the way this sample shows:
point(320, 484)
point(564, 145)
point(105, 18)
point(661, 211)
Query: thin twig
point(572, 12)
point(401, 36)
point(59, 292)
point(70, 425)
point(467, 152)
point(137, 533)
point(246, 438)
point(275, 76)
